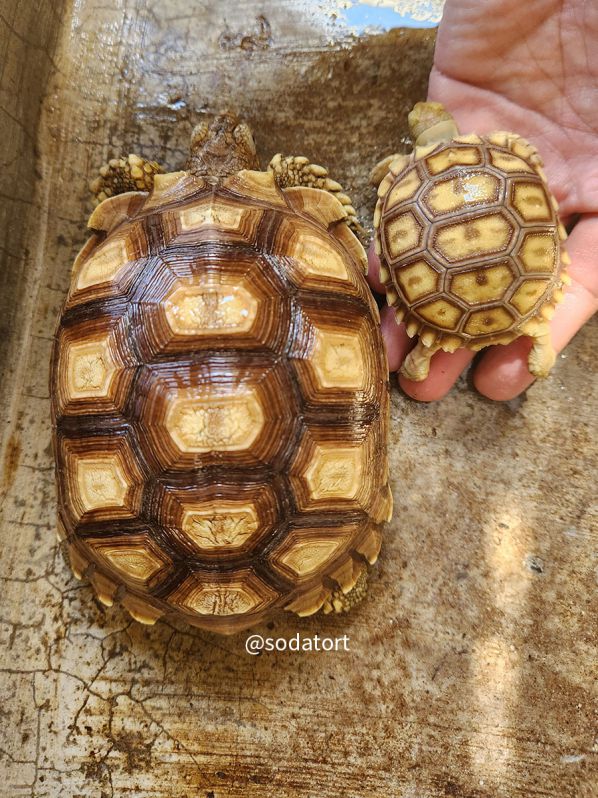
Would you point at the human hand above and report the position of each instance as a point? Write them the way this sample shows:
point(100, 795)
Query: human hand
point(531, 68)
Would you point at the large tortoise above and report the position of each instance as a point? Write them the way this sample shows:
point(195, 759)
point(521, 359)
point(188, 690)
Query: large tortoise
point(219, 391)
point(469, 241)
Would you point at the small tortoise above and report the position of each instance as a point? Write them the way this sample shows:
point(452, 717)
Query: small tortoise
point(469, 241)
point(219, 391)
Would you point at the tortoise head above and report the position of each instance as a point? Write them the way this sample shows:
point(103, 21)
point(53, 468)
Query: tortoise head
point(222, 148)
point(431, 123)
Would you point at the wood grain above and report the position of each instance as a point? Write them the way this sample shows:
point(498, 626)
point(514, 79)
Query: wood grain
point(470, 667)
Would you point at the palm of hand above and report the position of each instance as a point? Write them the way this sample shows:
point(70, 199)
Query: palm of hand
point(532, 69)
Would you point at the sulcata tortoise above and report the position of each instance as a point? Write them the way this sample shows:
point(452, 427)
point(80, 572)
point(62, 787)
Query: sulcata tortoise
point(469, 241)
point(219, 384)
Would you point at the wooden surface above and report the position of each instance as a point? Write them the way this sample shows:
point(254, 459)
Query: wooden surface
point(471, 666)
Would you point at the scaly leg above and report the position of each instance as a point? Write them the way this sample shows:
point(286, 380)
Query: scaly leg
point(344, 602)
point(416, 365)
point(542, 355)
point(291, 171)
point(120, 175)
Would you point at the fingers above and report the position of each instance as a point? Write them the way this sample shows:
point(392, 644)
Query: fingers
point(502, 373)
point(396, 340)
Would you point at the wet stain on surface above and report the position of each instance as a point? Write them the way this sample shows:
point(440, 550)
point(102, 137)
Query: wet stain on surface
point(10, 464)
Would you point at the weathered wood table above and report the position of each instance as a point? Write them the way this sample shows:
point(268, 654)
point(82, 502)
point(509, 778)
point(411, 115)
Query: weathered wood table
point(471, 668)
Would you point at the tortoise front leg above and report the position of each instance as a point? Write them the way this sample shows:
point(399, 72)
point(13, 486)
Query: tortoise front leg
point(293, 171)
point(131, 173)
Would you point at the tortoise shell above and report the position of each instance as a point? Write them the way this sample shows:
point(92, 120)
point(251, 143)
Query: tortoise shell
point(469, 239)
point(220, 403)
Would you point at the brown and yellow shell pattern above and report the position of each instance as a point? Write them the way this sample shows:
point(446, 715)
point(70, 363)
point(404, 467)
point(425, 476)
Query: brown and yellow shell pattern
point(220, 403)
point(469, 239)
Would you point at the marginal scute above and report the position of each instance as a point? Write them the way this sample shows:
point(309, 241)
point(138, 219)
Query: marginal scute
point(256, 187)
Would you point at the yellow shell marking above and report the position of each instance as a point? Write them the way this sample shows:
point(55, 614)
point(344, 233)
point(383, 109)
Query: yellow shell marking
point(531, 202)
point(220, 306)
point(335, 472)
point(338, 360)
point(484, 322)
point(315, 257)
point(211, 214)
point(214, 525)
point(104, 265)
point(308, 556)
point(235, 597)
point(508, 162)
point(101, 482)
point(475, 237)
point(403, 189)
point(441, 313)
point(462, 191)
point(135, 562)
point(203, 422)
point(453, 156)
point(528, 293)
point(417, 280)
point(487, 284)
point(90, 368)
point(402, 234)
point(538, 253)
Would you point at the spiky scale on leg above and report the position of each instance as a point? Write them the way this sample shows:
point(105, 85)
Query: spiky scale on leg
point(119, 175)
point(293, 171)
point(340, 602)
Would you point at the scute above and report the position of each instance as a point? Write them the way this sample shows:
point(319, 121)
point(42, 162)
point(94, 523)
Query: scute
point(222, 382)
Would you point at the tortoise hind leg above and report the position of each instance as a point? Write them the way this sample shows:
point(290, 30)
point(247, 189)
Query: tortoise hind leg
point(121, 175)
point(542, 355)
point(344, 602)
point(294, 171)
point(416, 365)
